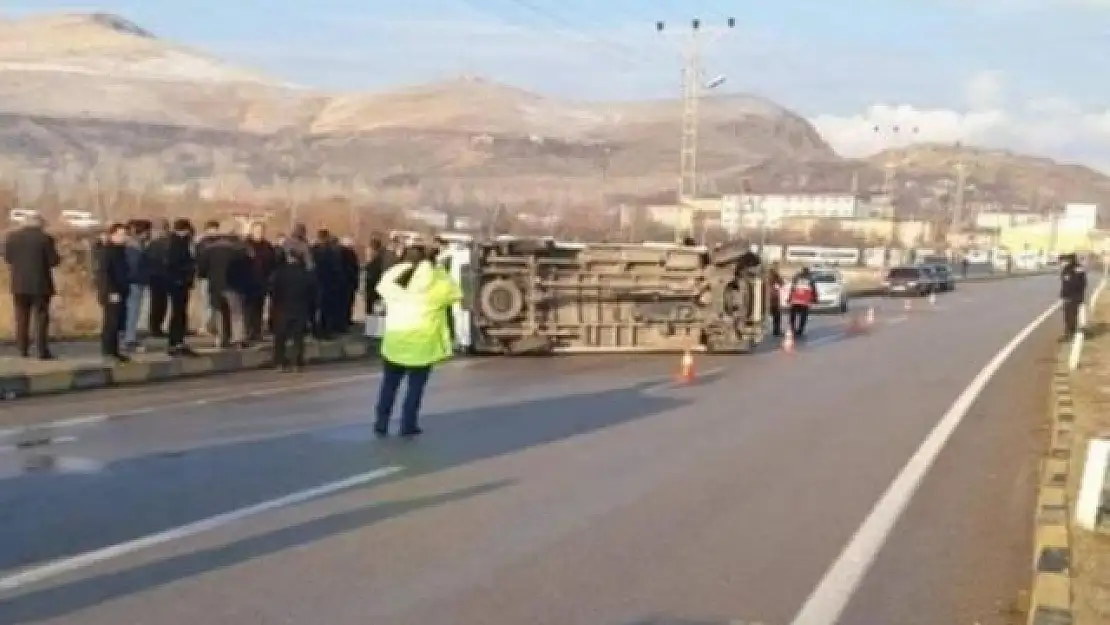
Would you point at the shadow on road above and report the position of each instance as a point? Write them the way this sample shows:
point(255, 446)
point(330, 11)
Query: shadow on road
point(81, 594)
point(60, 515)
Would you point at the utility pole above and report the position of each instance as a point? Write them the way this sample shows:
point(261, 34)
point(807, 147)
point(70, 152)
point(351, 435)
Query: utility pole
point(691, 94)
point(961, 188)
point(889, 132)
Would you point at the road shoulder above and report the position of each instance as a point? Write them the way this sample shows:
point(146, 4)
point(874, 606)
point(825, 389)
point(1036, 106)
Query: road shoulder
point(1082, 400)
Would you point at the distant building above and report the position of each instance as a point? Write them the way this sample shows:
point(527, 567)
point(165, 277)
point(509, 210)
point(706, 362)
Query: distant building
point(752, 210)
point(996, 220)
point(428, 216)
point(1079, 218)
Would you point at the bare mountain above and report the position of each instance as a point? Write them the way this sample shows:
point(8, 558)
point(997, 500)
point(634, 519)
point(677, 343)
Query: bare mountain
point(94, 92)
point(93, 96)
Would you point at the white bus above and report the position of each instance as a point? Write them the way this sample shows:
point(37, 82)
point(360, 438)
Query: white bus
point(810, 255)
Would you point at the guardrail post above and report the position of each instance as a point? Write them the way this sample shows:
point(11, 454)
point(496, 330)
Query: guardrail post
point(1088, 504)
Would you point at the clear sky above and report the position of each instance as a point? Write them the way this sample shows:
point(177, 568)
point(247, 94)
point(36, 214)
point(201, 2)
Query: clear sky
point(1023, 74)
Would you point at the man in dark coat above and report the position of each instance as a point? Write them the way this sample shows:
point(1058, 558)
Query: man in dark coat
point(112, 285)
point(329, 278)
point(375, 268)
point(208, 315)
point(294, 291)
point(156, 253)
point(32, 255)
point(263, 262)
point(180, 273)
point(1073, 291)
point(350, 270)
point(225, 265)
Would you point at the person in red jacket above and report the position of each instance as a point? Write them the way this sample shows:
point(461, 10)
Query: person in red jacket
point(802, 295)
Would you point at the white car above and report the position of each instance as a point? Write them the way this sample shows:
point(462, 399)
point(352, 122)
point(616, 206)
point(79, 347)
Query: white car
point(832, 292)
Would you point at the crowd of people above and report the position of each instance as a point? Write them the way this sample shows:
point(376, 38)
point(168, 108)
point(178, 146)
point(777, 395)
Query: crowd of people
point(249, 285)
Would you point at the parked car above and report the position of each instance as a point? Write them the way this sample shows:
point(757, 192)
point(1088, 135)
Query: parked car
point(931, 277)
point(832, 291)
point(945, 280)
point(908, 280)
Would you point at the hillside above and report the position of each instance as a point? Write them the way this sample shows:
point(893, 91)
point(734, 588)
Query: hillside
point(96, 92)
point(93, 97)
point(926, 177)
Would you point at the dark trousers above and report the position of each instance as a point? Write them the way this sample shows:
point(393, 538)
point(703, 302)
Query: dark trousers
point(331, 309)
point(392, 376)
point(775, 313)
point(799, 315)
point(289, 331)
point(112, 316)
point(159, 305)
point(255, 307)
point(314, 314)
point(32, 311)
point(372, 298)
point(179, 316)
point(347, 318)
point(1071, 316)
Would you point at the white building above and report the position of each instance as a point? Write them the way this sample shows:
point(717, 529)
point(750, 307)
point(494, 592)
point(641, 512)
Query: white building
point(996, 220)
point(1079, 218)
point(751, 210)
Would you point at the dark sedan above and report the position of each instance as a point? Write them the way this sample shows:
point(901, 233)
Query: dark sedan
point(913, 281)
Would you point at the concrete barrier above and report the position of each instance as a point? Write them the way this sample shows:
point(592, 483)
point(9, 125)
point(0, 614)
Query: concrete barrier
point(1050, 596)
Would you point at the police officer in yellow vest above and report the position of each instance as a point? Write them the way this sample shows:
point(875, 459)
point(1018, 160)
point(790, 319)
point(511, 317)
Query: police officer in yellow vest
point(416, 293)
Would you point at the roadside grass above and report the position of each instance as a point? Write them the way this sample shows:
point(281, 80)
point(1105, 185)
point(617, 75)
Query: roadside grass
point(1091, 552)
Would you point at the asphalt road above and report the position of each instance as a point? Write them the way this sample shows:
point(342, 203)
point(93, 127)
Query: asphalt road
point(579, 490)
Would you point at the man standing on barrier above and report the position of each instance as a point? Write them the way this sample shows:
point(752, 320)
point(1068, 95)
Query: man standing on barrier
point(1073, 291)
point(294, 290)
point(32, 255)
point(112, 287)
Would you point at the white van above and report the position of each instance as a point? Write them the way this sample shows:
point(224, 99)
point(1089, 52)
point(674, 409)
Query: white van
point(456, 259)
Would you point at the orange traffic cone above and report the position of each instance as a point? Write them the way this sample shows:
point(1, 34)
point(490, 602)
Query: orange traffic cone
point(870, 321)
point(788, 342)
point(686, 368)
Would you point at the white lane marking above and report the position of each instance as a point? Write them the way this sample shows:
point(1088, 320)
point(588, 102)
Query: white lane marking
point(897, 320)
point(32, 445)
point(85, 560)
point(64, 423)
point(831, 596)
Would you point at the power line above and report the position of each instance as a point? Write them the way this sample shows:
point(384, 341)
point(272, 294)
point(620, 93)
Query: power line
point(568, 29)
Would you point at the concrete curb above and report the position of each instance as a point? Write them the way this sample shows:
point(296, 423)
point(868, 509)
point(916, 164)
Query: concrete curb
point(1050, 598)
point(15, 386)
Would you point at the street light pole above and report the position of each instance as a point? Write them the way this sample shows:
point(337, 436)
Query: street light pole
point(691, 94)
point(890, 171)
